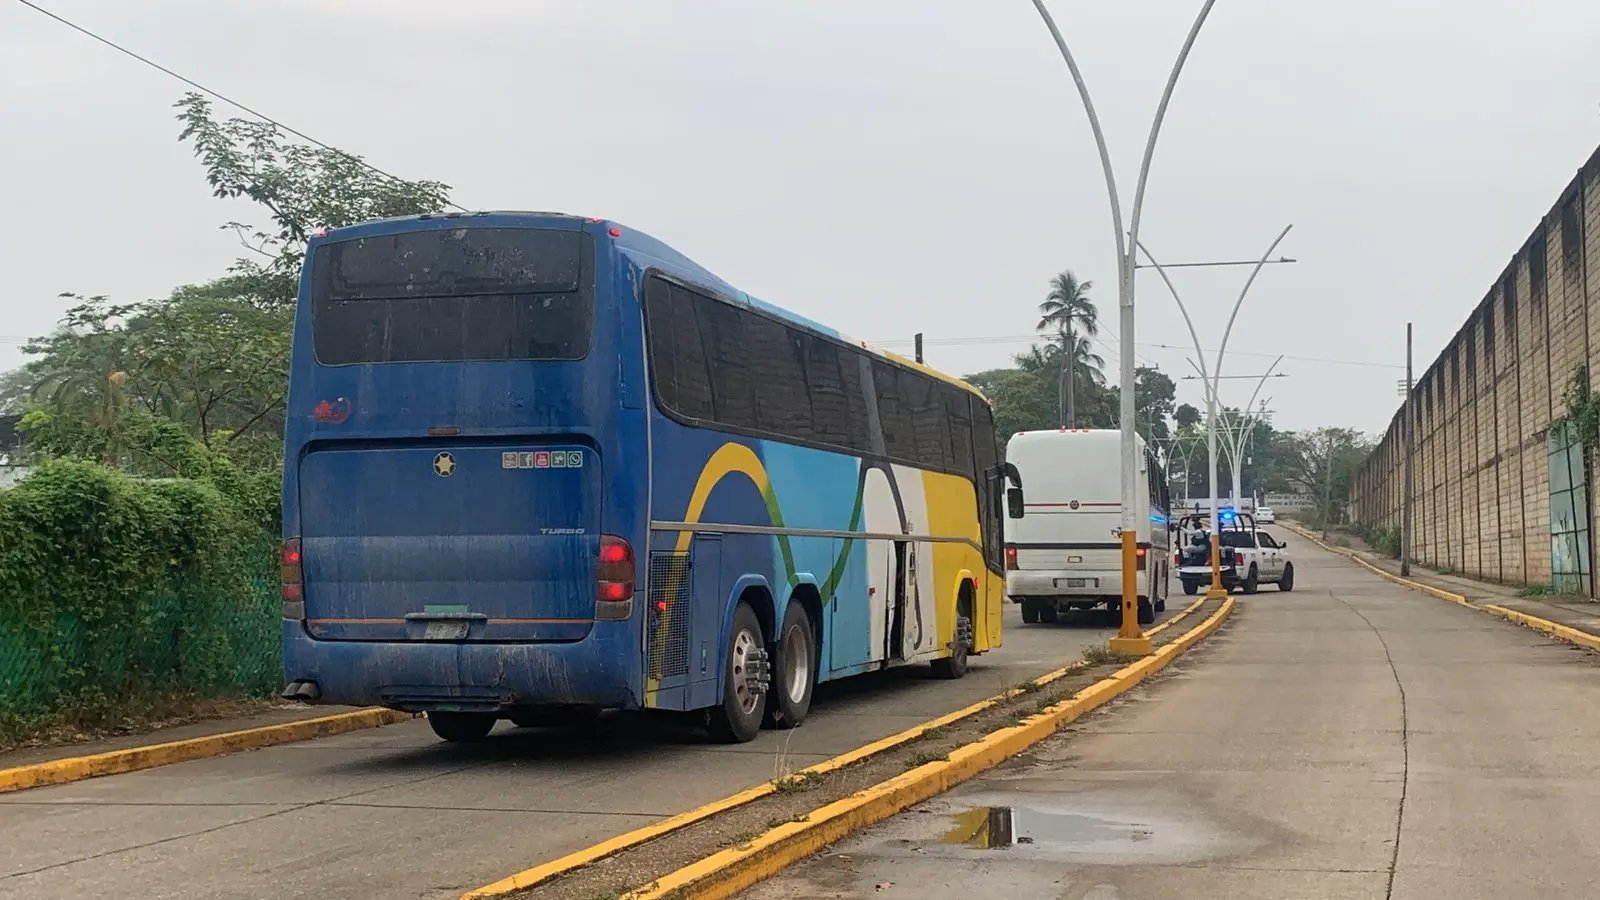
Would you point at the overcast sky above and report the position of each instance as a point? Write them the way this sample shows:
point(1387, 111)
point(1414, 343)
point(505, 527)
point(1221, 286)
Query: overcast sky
point(884, 167)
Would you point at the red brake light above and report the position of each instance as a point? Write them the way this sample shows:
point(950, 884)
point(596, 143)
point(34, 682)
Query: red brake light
point(615, 573)
point(1140, 552)
point(1011, 558)
point(616, 232)
point(293, 578)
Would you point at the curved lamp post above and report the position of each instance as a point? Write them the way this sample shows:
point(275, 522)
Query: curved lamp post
point(1212, 377)
point(1130, 637)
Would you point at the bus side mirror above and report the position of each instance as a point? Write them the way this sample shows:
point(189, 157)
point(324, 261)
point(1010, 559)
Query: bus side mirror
point(1013, 493)
point(1014, 502)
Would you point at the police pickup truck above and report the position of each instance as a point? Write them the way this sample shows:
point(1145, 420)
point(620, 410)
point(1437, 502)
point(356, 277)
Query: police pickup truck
point(1249, 557)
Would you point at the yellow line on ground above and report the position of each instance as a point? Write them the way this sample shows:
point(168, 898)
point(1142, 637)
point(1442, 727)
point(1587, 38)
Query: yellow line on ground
point(1554, 629)
point(556, 868)
point(1429, 589)
point(725, 874)
point(132, 759)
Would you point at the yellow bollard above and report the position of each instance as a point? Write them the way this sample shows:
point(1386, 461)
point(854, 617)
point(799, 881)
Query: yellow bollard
point(1130, 639)
point(1216, 592)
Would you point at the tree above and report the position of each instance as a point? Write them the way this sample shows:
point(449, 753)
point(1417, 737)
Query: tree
point(1322, 462)
point(1187, 416)
point(303, 188)
point(1022, 400)
point(116, 382)
point(1068, 311)
point(1153, 395)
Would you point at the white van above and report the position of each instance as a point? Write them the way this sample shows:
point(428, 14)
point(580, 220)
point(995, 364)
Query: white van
point(1065, 549)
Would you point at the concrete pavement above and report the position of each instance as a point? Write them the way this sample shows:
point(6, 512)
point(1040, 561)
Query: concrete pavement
point(395, 812)
point(1282, 759)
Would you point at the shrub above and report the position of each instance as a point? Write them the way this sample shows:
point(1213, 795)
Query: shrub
point(116, 589)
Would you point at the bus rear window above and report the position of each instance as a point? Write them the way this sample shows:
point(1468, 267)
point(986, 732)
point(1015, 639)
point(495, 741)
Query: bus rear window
point(462, 294)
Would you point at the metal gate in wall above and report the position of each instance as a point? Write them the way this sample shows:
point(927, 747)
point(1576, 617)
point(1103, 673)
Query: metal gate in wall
point(1570, 563)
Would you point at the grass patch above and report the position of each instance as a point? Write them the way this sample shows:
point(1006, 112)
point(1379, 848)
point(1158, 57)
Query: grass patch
point(794, 784)
point(921, 759)
point(1449, 570)
point(1100, 655)
point(1536, 590)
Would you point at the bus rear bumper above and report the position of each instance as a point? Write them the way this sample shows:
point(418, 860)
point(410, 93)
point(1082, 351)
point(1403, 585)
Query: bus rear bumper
point(466, 677)
point(1088, 585)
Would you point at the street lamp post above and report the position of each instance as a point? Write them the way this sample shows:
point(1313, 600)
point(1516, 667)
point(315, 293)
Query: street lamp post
point(1234, 447)
point(1213, 376)
point(1130, 638)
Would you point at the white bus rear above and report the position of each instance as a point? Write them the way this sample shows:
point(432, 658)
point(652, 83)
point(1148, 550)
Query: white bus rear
point(1064, 552)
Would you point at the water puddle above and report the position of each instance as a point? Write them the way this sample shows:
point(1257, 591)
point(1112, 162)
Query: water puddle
point(1086, 836)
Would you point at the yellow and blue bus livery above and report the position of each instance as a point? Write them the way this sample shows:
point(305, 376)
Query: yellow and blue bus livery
point(541, 463)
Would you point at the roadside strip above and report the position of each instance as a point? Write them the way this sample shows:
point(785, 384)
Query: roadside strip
point(1554, 629)
point(150, 756)
point(727, 873)
point(1428, 589)
point(556, 868)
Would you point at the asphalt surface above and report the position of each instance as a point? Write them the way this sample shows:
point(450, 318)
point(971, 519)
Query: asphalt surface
point(394, 812)
point(1282, 759)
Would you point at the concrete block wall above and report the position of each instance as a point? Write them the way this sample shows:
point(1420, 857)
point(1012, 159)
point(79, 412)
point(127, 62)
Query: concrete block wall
point(1482, 410)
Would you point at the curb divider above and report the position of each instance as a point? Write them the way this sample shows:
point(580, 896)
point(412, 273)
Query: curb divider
point(726, 873)
point(150, 756)
point(1428, 589)
point(549, 871)
point(1556, 630)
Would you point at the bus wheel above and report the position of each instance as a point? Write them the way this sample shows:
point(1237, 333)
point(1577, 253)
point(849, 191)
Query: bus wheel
point(1030, 612)
point(795, 671)
point(461, 726)
point(1144, 612)
point(746, 675)
point(1191, 587)
point(1047, 613)
point(955, 665)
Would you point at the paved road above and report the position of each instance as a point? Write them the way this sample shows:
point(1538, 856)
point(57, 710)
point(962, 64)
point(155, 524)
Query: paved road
point(1281, 760)
point(394, 812)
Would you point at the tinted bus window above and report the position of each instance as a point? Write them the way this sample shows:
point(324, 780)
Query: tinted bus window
point(462, 294)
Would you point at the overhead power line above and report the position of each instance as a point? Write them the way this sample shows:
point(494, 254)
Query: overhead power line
point(220, 96)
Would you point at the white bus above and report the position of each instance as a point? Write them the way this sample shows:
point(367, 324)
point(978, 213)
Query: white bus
point(1065, 552)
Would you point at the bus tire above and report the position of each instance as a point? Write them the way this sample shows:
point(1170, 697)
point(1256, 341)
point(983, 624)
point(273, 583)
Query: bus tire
point(1030, 612)
point(1144, 613)
point(461, 727)
point(1047, 612)
point(738, 719)
point(955, 665)
point(794, 670)
point(1191, 588)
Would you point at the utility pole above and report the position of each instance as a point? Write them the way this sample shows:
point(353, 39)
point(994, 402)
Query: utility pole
point(1069, 405)
point(917, 339)
point(1405, 509)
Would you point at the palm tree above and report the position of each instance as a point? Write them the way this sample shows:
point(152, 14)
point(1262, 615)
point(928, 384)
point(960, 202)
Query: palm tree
point(1069, 312)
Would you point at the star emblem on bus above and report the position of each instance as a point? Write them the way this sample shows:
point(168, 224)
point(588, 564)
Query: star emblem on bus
point(444, 465)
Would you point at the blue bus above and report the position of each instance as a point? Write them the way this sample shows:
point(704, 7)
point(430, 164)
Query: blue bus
point(538, 465)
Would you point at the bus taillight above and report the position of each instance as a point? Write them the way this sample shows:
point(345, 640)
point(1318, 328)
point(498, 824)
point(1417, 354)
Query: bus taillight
point(615, 573)
point(293, 578)
point(1011, 558)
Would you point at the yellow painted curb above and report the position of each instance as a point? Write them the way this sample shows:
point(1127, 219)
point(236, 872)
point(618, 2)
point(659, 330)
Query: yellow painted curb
point(556, 868)
point(132, 759)
point(725, 874)
point(1554, 629)
point(1428, 589)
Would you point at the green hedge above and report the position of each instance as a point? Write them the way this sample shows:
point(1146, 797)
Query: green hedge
point(116, 591)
